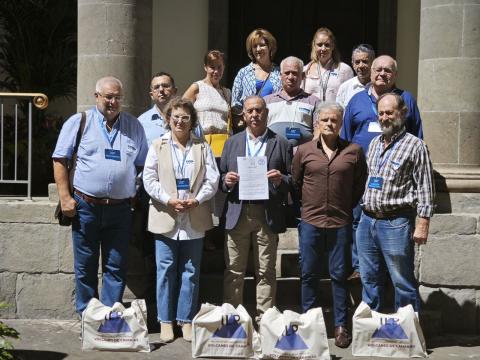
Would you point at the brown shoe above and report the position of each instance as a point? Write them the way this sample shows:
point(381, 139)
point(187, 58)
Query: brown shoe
point(354, 276)
point(342, 337)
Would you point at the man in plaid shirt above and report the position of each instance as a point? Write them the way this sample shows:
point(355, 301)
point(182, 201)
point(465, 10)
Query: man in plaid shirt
point(399, 188)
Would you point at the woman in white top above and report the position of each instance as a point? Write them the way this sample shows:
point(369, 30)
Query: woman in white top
point(180, 175)
point(325, 72)
point(211, 100)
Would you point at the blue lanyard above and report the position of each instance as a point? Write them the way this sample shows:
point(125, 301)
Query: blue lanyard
point(372, 104)
point(109, 136)
point(379, 163)
point(181, 167)
point(258, 150)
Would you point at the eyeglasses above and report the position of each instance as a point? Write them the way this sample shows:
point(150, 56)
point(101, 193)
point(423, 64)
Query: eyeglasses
point(164, 86)
point(110, 98)
point(184, 119)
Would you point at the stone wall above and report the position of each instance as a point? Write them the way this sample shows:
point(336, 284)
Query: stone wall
point(36, 264)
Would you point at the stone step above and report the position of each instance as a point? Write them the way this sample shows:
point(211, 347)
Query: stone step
point(287, 264)
point(288, 290)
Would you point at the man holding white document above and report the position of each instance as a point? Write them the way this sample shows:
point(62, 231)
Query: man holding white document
point(255, 172)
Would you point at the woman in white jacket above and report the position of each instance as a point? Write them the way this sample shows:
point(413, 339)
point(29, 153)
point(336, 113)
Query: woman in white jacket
point(180, 175)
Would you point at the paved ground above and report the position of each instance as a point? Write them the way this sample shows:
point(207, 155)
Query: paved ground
point(57, 340)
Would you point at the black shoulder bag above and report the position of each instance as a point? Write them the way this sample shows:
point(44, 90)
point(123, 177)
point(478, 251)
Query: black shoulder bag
point(62, 219)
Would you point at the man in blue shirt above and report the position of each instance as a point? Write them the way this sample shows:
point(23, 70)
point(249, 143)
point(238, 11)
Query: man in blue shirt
point(162, 89)
point(142, 249)
point(360, 120)
point(112, 150)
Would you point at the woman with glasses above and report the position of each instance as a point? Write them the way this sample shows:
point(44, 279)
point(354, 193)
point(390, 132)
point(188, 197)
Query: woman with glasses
point(180, 175)
point(325, 72)
point(261, 77)
point(212, 103)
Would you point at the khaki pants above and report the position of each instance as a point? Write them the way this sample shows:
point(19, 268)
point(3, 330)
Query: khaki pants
point(251, 229)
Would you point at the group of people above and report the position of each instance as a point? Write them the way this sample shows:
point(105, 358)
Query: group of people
point(345, 151)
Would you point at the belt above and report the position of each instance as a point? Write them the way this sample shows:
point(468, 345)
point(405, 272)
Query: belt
point(99, 201)
point(390, 214)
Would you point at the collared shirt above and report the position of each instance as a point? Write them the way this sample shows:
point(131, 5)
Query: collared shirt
point(330, 80)
point(183, 168)
point(96, 174)
point(245, 84)
point(295, 112)
point(329, 188)
point(407, 175)
point(255, 146)
point(153, 123)
point(360, 120)
point(348, 89)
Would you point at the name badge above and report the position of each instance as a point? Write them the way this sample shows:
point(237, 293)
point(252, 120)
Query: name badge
point(112, 154)
point(183, 184)
point(375, 182)
point(293, 133)
point(305, 110)
point(374, 126)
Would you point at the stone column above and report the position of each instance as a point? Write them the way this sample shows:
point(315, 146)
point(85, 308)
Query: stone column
point(115, 38)
point(449, 90)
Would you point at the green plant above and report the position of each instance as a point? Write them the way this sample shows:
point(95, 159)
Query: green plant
point(38, 53)
point(6, 332)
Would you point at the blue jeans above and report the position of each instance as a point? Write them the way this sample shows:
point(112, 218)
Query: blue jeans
point(387, 244)
point(105, 227)
point(314, 242)
point(178, 278)
point(356, 212)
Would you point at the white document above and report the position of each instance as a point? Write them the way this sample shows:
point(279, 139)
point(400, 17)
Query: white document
point(374, 126)
point(253, 183)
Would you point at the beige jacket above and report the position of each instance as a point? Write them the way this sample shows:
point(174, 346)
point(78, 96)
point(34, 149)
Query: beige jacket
point(161, 218)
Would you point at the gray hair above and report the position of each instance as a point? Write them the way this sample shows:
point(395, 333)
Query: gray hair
point(364, 48)
point(293, 59)
point(391, 58)
point(105, 80)
point(264, 104)
point(327, 105)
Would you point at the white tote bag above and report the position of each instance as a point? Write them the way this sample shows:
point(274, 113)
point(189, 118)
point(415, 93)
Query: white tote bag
point(222, 331)
point(115, 328)
point(294, 336)
point(387, 335)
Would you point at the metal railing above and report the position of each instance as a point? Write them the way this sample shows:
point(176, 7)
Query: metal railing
point(38, 100)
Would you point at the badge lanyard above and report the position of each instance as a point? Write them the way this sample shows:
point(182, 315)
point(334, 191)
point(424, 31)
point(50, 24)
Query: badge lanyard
point(294, 117)
point(258, 150)
point(323, 85)
point(379, 163)
point(373, 105)
point(109, 136)
point(181, 166)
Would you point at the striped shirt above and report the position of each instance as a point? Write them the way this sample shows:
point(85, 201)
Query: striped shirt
point(407, 176)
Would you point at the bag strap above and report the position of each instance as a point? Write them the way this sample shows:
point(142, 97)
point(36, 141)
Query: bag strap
point(73, 163)
point(263, 84)
point(229, 114)
point(83, 120)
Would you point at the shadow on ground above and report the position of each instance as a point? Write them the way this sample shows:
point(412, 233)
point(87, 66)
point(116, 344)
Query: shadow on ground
point(38, 354)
